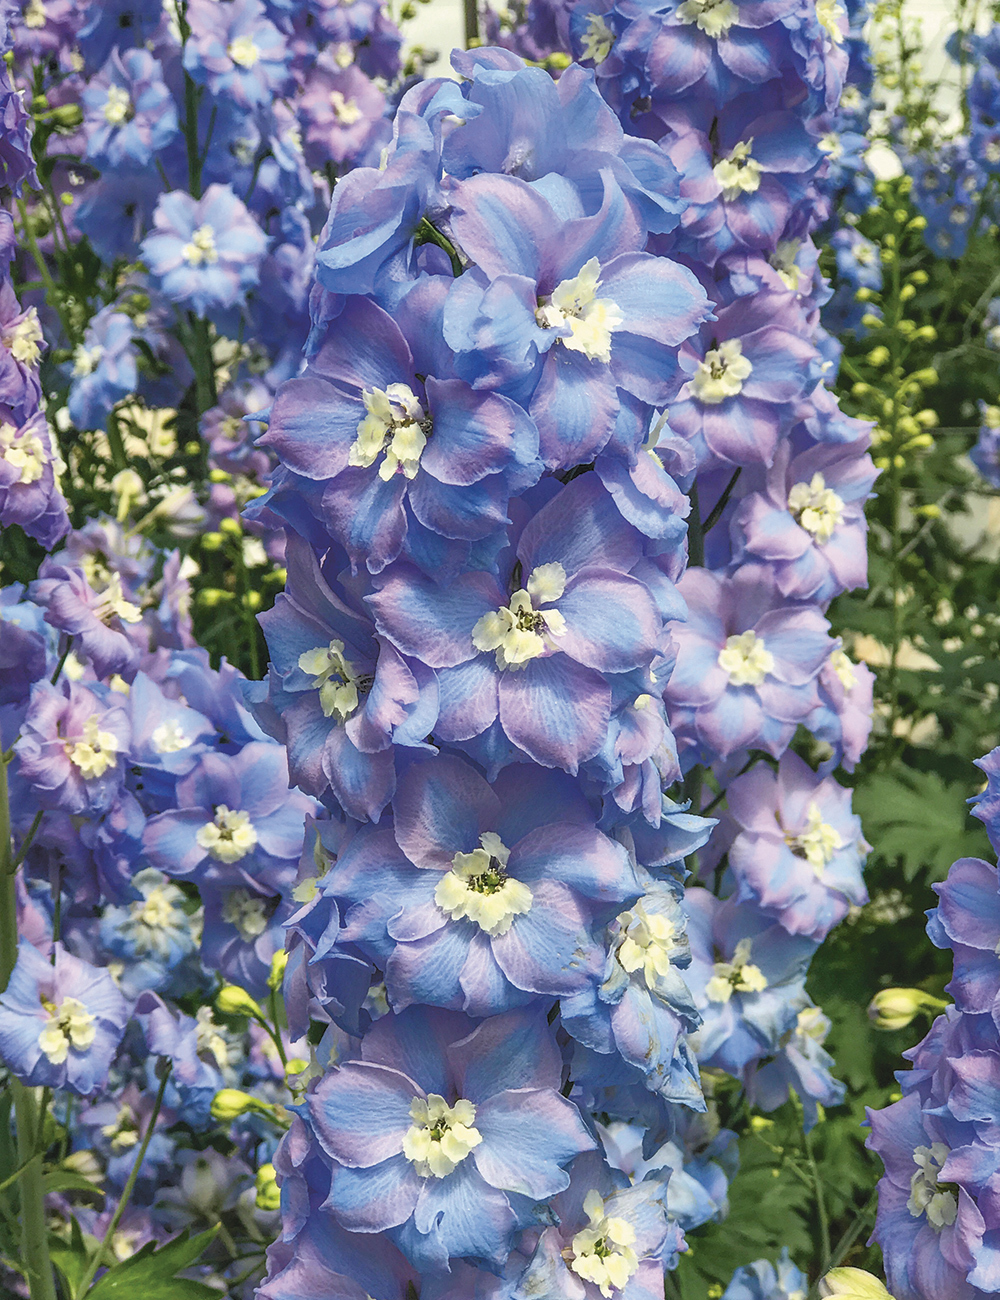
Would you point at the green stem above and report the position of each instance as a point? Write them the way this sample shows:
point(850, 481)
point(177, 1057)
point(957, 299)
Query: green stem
point(821, 1210)
point(696, 534)
point(123, 1200)
point(34, 1236)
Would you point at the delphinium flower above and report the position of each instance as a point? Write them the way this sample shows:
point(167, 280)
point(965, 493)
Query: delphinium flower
point(60, 1022)
point(985, 455)
point(152, 935)
point(110, 24)
point(763, 1280)
point(747, 663)
point(438, 1113)
point(235, 51)
point(72, 746)
point(342, 111)
point(798, 848)
point(204, 253)
point(800, 1066)
point(95, 621)
point(130, 114)
point(104, 368)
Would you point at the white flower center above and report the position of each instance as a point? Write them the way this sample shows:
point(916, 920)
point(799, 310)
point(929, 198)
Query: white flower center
point(816, 507)
point(70, 1024)
point(335, 677)
point(746, 659)
point(738, 173)
point(713, 17)
point(818, 842)
point(783, 259)
point(24, 452)
point(478, 887)
point(521, 631)
point(35, 14)
point(123, 1134)
point(829, 13)
point(114, 605)
point(842, 666)
point(602, 1253)
point(830, 145)
point(647, 944)
point(736, 976)
point(927, 1195)
point(397, 424)
point(228, 838)
point(346, 111)
point(590, 320)
point(201, 248)
point(169, 738)
point(117, 107)
point(243, 51)
point(441, 1136)
point(207, 1036)
point(722, 373)
point(598, 39)
point(23, 340)
point(86, 360)
point(248, 912)
point(94, 752)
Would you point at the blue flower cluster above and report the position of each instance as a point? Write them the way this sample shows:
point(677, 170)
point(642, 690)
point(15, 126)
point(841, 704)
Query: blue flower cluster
point(562, 494)
point(566, 496)
point(938, 1218)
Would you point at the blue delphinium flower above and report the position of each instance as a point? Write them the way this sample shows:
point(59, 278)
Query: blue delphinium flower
point(111, 24)
point(204, 253)
point(129, 114)
point(235, 51)
point(763, 1280)
point(152, 935)
point(104, 368)
point(440, 1115)
point(60, 1022)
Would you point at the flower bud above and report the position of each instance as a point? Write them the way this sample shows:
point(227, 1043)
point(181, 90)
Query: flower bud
point(230, 1103)
point(234, 1001)
point(896, 1008)
point(268, 1192)
point(278, 963)
point(852, 1284)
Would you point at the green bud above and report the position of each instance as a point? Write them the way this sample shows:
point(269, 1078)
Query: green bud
point(229, 1103)
point(853, 1284)
point(234, 1001)
point(896, 1008)
point(268, 1192)
point(278, 963)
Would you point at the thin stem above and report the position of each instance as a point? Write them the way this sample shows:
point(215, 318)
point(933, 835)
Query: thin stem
point(471, 11)
point(821, 1210)
point(721, 504)
point(26, 842)
point(34, 1236)
point(123, 1200)
point(696, 534)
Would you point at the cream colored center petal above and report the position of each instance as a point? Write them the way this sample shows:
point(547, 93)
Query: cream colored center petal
point(169, 738)
point(738, 173)
point(927, 1196)
point(722, 374)
point(746, 659)
point(114, 605)
point(816, 507)
point(818, 843)
point(26, 453)
point(521, 631)
point(24, 339)
point(202, 248)
point(591, 321)
point(598, 39)
point(396, 428)
point(603, 1253)
point(441, 1136)
point(94, 752)
point(648, 943)
point(346, 111)
point(335, 677)
point(478, 888)
point(69, 1024)
point(736, 976)
point(713, 17)
point(117, 107)
point(229, 837)
point(243, 51)
point(247, 912)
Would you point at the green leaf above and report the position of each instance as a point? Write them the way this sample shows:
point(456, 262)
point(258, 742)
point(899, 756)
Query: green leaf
point(64, 1180)
point(150, 1274)
point(917, 818)
point(71, 1258)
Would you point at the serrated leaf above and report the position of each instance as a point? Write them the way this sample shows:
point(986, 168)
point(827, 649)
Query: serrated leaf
point(150, 1274)
point(915, 817)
